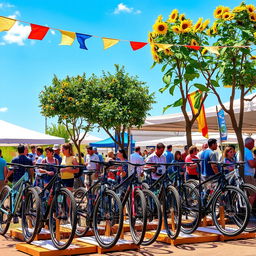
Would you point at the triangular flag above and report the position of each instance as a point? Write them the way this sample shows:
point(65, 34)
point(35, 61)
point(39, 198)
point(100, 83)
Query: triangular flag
point(6, 24)
point(213, 49)
point(137, 45)
point(67, 37)
point(37, 32)
point(81, 40)
point(194, 47)
point(163, 47)
point(108, 42)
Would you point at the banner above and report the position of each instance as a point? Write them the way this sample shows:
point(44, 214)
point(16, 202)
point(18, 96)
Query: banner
point(201, 119)
point(222, 125)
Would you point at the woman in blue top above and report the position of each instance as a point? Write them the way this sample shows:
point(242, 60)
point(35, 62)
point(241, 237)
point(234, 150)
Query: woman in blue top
point(178, 158)
point(229, 158)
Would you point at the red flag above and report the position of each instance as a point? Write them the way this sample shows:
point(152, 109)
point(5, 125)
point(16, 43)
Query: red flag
point(137, 45)
point(37, 32)
point(194, 47)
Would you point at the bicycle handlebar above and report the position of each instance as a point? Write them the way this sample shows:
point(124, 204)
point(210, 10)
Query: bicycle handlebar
point(226, 164)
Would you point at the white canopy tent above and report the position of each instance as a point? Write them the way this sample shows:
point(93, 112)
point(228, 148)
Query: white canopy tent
point(90, 139)
point(13, 134)
point(176, 122)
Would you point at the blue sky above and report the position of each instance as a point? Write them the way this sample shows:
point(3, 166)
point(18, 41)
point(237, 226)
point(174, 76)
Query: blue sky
point(27, 65)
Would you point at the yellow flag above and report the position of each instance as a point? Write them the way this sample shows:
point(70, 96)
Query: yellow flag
point(107, 42)
point(163, 47)
point(213, 49)
point(67, 37)
point(6, 23)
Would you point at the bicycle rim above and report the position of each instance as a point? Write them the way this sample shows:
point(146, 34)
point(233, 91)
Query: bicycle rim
point(62, 218)
point(172, 212)
point(107, 219)
point(5, 201)
point(232, 204)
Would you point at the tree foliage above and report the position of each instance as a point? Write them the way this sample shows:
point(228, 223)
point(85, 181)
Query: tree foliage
point(58, 130)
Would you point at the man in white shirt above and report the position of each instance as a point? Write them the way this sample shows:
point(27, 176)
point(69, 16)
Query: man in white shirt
point(159, 158)
point(136, 158)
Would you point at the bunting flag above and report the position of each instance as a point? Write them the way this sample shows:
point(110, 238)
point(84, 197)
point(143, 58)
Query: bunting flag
point(194, 47)
point(108, 42)
point(6, 24)
point(67, 37)
point(163, 47)
point(37, 32)
point(137, 45)
point(81, 40)
point(213, 49)
point(201, 119)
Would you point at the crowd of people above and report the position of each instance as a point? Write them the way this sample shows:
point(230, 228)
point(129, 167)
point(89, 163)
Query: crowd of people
point(161, 154)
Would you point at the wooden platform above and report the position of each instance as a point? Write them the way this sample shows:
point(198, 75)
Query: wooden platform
point(121, 245)
point(46, 248)
point(126, 227)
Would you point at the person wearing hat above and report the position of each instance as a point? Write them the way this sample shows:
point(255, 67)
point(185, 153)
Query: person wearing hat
point(56, 149)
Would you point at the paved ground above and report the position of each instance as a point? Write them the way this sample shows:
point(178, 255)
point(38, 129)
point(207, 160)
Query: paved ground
point(231, 248)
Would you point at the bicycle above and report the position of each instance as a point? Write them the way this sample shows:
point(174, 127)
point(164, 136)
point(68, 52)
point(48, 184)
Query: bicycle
point(20, 200)
point(99, 208)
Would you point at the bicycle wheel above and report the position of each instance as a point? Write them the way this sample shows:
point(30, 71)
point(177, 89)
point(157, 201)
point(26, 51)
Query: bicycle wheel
point(62, 217)
point(107, 213)
point(154, 216)
point(30, 215)
point(190, 208)
point(138, 217)
point(83, 217)
point(235, 207)
point(5, 209)
point(250, 192)
point(172, 212)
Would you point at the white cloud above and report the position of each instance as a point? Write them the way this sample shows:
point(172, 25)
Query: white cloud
point(52, 32)
point(6, 5)
point(122, 8)
point(15, 15)
point(3, 109)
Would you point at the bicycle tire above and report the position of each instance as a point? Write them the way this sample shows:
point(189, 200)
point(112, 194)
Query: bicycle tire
point(250, 191)
point(154, 214)
point(171, 204)
point(31, 210)
point(115, 216)
point(7, 207)
point(82, 212)
point(63, 198)
point(193, 182)
point(190, 208)
point(139, 214)
point(233, 199)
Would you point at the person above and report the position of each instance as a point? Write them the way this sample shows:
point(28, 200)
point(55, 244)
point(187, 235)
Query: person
point(185, 153)
point(254, 153)
point(178, 159)
point(95, 150)
point(229, 158)
point(67, 173)
point(204, 147)
point(91, 156)
point(145, 154)
point(3, 171)
point(136, 158)
point(123, 170)
point(56, 149)
point(157, 157)
point(48, 171)
point(209, 154)
point(168, 154)
point(110, 156)
point(191, 170)
point(33, 154)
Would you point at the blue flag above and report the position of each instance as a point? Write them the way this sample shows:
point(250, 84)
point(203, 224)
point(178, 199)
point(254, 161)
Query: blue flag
point(81, 40)
point(222, 125)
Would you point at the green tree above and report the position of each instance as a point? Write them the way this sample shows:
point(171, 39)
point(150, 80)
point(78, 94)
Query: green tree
point(58, 130)
point(175, 44)
point(66, 100)
point(118, 102)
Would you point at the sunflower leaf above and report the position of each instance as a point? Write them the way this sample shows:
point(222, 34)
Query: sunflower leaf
point(167, 79)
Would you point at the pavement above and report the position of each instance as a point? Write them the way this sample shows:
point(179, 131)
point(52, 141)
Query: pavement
point(230, 248)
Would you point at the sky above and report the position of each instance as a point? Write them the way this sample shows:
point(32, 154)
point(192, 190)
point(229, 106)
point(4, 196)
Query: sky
point(26, 66)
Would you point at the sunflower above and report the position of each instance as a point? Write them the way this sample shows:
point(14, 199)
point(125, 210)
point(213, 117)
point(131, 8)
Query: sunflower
point(218, 12)
point(239, 9)
point(194, 42)
point(252, 16)
point(156, 57)
point(160, 28)
point(182, 17)
point(176, 29)
point(185, 26)
point(198, 25)
point(253, 57)
point(150, 38)
point(228, 16)
point(254, 34)
point(226, 9)
point(250, 8)
point(153, 49)
point(215, 28)
point(209, 32)
point(173, 16)
point(168, 52)
point(204, 25)
point(204, 51)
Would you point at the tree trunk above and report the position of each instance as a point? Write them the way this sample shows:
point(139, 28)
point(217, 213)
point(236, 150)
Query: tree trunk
point(189, 134)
